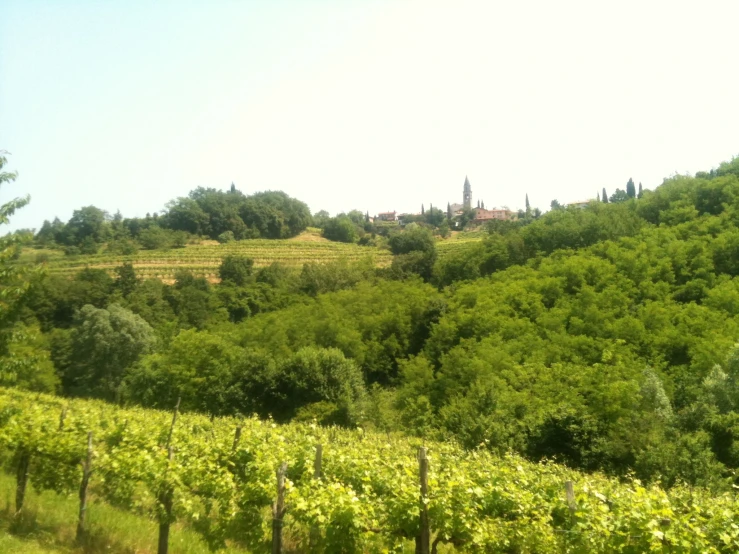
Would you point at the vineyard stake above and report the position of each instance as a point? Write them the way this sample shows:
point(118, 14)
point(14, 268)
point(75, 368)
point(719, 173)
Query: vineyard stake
point(62, 417)
point(174, 420)
point(165, 498)
point(317, 464)
point(278, 510)
point(424, 538)
point(21, 478)
point(86, 471)
point(237, 438)
point(570, 492)
point(315, 532)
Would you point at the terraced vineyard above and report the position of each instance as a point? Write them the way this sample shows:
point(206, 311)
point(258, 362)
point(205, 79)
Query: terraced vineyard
point(203, 260)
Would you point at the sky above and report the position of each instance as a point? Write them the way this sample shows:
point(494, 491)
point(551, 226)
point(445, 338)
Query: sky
point(376, 105)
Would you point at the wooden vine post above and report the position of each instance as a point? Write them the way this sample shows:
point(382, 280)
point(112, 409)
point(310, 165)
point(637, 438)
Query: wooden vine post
point(165, 500)
point(423, 540)
point(86, 472)
point(166, 492)
point(237, 438)
point(21, 478)
point(278, 510)
point(315, 532)
point(62, 417)
point(317, 472)
point(570, 492)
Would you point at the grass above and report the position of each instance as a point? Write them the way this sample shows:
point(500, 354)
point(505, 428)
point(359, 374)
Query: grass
point(10, 543)
point(48, 523)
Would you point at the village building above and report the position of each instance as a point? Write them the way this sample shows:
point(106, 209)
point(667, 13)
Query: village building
point(387, 216)
point(579, 203)
point(482, 215)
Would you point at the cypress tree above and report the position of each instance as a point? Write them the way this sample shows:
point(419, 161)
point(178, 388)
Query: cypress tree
point(604, 199)
point(528, 206)
point(630, 189)
point(640, 192)
point(422, 210)
point(448, 210)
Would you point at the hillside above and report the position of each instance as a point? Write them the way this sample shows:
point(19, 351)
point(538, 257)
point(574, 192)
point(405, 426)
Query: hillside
point(363, 496)
point(203, 259)
point(603, 337)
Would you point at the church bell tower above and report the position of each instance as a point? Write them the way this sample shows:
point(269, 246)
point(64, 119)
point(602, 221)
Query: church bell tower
point(467, 194)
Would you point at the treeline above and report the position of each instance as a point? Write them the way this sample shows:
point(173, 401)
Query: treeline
point(205, 212)
point(602, 337)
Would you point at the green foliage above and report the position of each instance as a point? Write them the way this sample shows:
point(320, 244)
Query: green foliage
point(340, 229)
point(156, 238)
point(226, 237)
point(367, 497)
point(318, 376)
point(86, 224)
point(198, 367)
point(413, 238)
point(594, 336)
point(26, 362)
point(630, 188)
point(104, 343)
point(236, 270)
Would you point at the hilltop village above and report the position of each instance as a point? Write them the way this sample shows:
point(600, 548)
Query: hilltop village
point(456, 210)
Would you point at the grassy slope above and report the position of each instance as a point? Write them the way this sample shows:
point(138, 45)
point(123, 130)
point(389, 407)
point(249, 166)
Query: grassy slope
point(48, 526)
point(203, 259)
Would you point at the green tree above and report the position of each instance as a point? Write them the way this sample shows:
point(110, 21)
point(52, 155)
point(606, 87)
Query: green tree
point(340, 229)
point(87, 225)
point(619, 196)
point(26, 363)
point(105, 342)
point(127, 280)
point(236, 270)
point(15, 280)
point(322, 379)
point(640, 193)
point(604, 197)
point(528, 206)
point(630, 188)
point(197, 366)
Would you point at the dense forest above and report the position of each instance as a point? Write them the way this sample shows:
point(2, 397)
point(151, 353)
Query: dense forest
point(602, 337)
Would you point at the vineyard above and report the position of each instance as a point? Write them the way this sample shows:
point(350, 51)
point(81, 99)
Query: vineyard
point(203, 260)
point(264, 487)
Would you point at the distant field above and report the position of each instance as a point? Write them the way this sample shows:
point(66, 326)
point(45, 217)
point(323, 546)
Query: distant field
point(203, 259)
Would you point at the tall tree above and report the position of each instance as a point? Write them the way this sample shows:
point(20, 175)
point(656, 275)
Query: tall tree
point(448, 210)
point(104, 344)
point(528, 206)
point(641, 193)
point(14, 280)
point(604, 198)
point(619, 196)
point(630, 188)
point(423, 211)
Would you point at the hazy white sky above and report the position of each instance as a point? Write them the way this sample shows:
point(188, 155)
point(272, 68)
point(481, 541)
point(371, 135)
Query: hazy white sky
point(374, 104)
